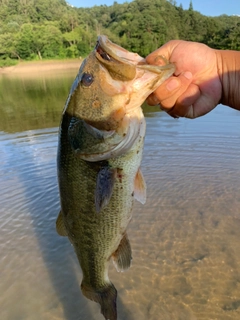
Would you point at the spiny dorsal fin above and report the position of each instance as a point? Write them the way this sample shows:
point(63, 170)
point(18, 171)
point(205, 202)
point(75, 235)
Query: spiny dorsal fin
point(140, 187)
point(104, 187)
point(61, 230)
point(123, 255)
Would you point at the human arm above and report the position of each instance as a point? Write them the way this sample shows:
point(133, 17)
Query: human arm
point(204, 77)
point(229, 74)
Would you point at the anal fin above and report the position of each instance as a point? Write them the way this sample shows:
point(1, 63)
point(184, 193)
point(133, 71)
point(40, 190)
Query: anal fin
point(122, 257)
point(140, 187)
point(61, 230)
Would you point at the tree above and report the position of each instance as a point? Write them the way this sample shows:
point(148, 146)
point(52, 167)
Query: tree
point(24, 43)
point(51, 28)
point(190, 6)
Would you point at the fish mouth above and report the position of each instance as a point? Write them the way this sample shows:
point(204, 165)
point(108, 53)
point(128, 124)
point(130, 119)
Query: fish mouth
point(141, 79)
point(111, 51)
point(123, 64)
point(120, 63)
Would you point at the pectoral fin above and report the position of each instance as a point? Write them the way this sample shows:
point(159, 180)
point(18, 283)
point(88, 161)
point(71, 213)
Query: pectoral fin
point(104, 187)
point(61, 230)
point(140, 187)
point(123, 255)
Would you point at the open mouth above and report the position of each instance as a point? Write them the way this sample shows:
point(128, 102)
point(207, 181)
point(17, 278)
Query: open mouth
point(101, 52)
point(122, 64)
point(110, 51)
point(112, 58)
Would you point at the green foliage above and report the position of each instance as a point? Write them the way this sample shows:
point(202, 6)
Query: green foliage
point(31, 29)
point(7, 62)
point(24, 43)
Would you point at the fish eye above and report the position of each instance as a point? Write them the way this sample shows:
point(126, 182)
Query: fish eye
point(87, 79)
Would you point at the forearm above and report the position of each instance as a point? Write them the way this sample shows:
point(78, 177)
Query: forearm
point(229, 74)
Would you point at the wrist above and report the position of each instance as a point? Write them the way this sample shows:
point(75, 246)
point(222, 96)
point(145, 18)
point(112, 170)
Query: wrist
point(228, 65)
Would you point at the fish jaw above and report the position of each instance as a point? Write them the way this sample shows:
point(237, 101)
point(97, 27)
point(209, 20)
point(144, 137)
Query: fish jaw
point(120, 81)
point(112, 82)
point(128, 122)
point(116, 52)
point(137, 84)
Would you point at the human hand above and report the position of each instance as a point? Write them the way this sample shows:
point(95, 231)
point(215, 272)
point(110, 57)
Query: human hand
point(195, 88)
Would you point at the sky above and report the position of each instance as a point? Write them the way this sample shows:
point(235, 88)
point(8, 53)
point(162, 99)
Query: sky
point(206, 7)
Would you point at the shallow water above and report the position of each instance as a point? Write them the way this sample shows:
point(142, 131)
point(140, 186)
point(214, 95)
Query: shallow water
point(185, 240)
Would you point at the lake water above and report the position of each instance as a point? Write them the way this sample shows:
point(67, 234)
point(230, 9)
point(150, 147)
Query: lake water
point(185, 240)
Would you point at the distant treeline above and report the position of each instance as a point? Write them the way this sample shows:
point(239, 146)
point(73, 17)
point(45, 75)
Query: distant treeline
point(51, 29)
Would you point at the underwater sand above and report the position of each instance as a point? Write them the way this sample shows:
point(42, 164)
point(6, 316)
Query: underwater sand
point(185, 240)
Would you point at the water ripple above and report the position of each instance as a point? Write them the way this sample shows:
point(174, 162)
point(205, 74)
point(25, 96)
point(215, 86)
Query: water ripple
point(185, 240)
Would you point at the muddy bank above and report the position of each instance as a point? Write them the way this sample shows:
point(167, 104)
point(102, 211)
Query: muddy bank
point(34, 67)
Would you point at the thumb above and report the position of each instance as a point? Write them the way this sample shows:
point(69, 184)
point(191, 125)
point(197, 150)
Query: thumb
point(157, 58)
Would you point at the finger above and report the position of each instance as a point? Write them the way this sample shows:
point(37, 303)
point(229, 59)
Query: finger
point(203, 105)
point(152, 100)
point(164, 51)
point(155, 58)
point(184, 106)
point(168, 93)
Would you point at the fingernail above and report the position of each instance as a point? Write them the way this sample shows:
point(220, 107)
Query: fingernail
point(188, 75)
point(172, 85)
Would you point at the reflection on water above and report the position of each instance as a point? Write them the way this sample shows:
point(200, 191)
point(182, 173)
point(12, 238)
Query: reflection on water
point(185, 240)
point(27, 103)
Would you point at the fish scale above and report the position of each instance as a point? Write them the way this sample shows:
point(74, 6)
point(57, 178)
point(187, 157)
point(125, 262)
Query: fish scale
point(99, 163)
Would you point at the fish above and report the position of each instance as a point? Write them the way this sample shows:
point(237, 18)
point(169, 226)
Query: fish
point(100, 146)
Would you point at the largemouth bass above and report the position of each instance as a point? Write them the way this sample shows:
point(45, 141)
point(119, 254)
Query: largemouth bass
point(100, 148)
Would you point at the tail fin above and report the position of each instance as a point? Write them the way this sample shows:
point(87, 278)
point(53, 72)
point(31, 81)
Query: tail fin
point(105, 296)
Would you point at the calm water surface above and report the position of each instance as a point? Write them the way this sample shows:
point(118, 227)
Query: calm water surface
point(185, 240)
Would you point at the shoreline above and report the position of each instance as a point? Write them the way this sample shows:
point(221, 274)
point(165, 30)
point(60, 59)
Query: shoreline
point(41, 66)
